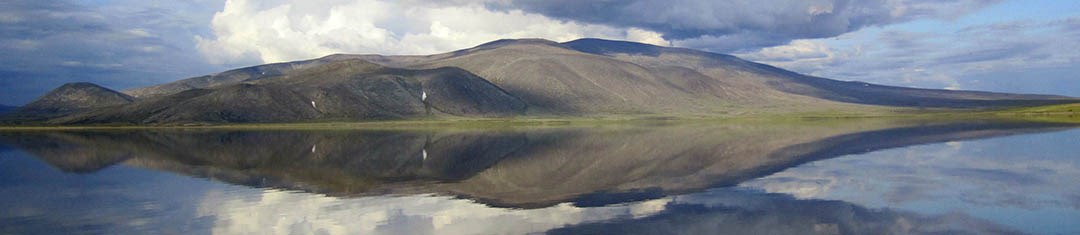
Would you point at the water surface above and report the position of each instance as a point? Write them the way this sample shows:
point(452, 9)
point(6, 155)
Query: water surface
point(825, 177)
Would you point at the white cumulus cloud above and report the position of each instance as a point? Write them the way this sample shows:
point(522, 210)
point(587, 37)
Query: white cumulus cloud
point(263, 32)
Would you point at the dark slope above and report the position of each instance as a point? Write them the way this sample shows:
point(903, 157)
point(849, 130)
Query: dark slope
point(794, 83)
point(67, 99)
point(337, 90)
point(226, 78)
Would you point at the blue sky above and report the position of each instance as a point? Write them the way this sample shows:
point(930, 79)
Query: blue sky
point(1008, 46)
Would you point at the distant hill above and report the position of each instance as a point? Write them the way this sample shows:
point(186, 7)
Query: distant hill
point(514, 77)
point(69, 99)
point(5, 109)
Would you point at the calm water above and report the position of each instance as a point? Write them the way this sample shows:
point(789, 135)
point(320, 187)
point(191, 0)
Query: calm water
point(835, 177)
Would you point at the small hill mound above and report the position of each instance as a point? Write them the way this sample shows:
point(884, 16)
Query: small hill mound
point(70, 98)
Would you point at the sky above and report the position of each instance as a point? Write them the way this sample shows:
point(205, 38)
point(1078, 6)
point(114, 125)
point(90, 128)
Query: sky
point(1025, 46)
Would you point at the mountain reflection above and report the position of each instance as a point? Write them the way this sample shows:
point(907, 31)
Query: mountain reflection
point(521, 168)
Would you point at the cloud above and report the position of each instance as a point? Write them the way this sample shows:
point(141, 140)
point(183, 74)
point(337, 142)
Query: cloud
point(966, 57)
point(796, 51)
point(987, 54)
point(129, 43)
point(250, 32)
point(734, 26)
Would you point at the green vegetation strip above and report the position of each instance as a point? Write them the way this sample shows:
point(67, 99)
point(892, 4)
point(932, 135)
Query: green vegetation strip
point(1064, 113)
point(1068, 113)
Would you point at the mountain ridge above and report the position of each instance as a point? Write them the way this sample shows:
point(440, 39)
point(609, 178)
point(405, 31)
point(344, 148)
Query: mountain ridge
point(512, 77)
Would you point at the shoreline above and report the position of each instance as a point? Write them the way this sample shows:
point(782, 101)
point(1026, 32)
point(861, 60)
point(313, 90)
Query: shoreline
point(1036, 114)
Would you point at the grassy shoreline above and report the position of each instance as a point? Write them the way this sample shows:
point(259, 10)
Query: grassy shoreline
point(1056, 114)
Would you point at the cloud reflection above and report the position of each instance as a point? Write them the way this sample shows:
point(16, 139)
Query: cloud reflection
point(286, 212)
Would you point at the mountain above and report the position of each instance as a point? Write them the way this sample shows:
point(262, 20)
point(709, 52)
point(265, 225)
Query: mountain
point(603, 76)
point(794, 83)
point(519, 77)
point(71, 98)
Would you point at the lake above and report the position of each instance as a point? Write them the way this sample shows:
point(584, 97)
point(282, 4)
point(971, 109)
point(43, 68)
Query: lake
point(857, 176)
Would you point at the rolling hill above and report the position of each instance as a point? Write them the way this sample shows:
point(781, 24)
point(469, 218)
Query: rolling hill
point(69, 99)
point(510, 78)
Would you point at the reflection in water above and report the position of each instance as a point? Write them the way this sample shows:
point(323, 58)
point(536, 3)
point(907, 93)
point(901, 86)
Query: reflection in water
point(1030, 182)
point(344, 163)
point(277, 212)
point(604, 179)
point(727, 211)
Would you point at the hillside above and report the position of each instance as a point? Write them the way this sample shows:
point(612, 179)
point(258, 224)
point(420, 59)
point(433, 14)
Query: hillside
point(513, 77)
